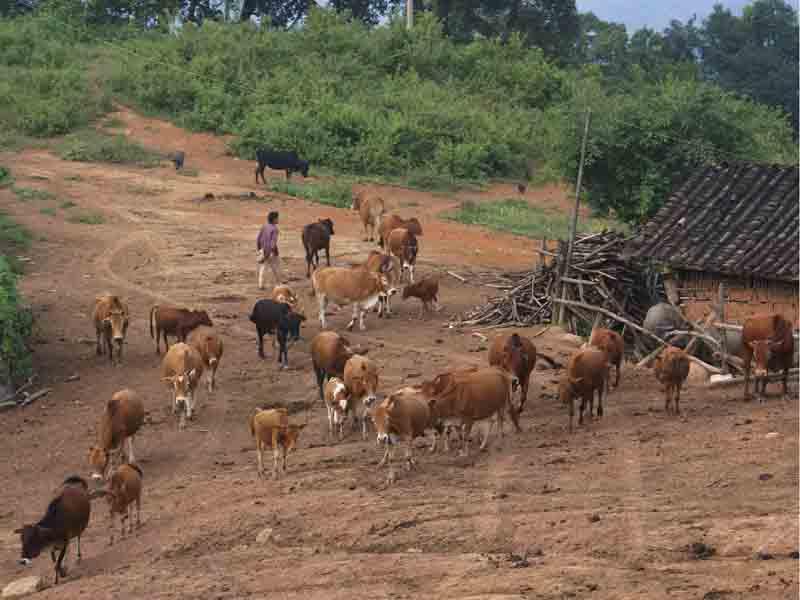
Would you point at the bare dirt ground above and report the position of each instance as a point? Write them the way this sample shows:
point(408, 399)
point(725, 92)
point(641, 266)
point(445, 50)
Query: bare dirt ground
point(608, 512)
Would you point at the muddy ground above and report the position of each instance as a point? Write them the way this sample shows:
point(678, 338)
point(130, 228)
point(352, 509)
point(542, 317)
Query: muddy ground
point(609, 512)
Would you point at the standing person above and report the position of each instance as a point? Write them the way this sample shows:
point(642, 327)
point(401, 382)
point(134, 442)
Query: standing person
point(267, 243)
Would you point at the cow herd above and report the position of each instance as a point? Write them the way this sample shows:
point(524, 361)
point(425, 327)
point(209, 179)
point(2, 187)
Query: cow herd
point(447, 406)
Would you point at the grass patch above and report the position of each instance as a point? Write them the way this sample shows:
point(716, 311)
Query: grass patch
point(67, 204)
point(73, 178)
point(14, 238)
point(189, 172)
point(87, 219)
point(329, 193)
point(90, 145)
point(48, 210)
point(26, 194)
point(114, 123)
point(6, 178)
point(518, 217)
point(143, 190)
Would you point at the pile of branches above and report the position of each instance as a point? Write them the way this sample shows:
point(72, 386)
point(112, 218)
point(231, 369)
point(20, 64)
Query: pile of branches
point(598, 277)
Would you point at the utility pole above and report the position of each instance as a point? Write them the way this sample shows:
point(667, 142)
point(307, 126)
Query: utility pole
point(574, 225)
point(409, 14)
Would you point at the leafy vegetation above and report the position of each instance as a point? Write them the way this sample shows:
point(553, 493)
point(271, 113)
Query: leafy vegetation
point(87, 218)
point(48, 210)
point(331, 193)
point(67, 204)
point(26, 194)
point(6, 179)
point(89, 145)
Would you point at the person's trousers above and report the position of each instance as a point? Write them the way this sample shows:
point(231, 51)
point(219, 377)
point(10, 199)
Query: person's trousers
point(274, 263)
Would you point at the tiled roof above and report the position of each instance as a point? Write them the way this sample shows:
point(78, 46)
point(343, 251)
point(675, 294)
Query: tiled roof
point(732, 218)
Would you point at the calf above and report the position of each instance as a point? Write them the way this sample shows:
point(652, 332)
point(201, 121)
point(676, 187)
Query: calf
point(769, 339)
point(280, 160)
point(121, 420)
point(427, 290)
point(67, 517)
point(613, 345)
point(517, 355)
point(475, 396)
point(672, 369)
point(206, 341)
point(402, 417)
point(124, 490)
point(356, 286)
point(329, 355)
point(586, 373)
point(175, 321)
point(181, 370)
point(337, 401)
point(272, 428)
point(403, 244)
point(391, 222)
point(110, 318)
point(316, 237)
point(276, 318)
point(361, 380)
point(370, 209)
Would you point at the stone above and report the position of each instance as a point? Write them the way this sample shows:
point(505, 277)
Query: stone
point(569, 338)
point(698, 375)
point(23, 587)
point(264, 536)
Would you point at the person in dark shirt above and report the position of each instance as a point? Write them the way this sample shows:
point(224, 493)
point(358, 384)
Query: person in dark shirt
point(267, 244)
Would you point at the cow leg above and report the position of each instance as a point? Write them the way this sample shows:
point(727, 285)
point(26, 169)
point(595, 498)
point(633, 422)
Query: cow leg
point(80, 557)
point(131, 458)
point(410, 462)
point(571, 412)
point(678, 399)
point(619, 364)
point(600, 402)
point(260, 451)
point(60, 570)
point(330, 421)
point(275, 456)
point(322, 300)
point(328, 253)
point(99, 349)
point(747, 358)
point(355, 317)
point(288, 174)
point(786, 382)
point(138, 511)
point(260, 342)
point(361, 324)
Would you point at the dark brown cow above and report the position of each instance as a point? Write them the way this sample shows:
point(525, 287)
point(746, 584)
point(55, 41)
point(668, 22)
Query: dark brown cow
point(672, 369)
point(329, 355)
point(517, 355)
point(427, 290)
point(316, 237)
point(769, 339)
point(612, 344)
point(586, 373)
point(175, 321)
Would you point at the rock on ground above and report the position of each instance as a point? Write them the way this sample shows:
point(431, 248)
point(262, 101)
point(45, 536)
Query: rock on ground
point(23, 587)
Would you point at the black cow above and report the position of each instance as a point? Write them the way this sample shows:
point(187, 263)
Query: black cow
point(276, 318)
point(281, 160)
point(316, 237)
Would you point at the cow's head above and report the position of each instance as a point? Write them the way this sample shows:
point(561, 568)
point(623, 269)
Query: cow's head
point(288, 436)
point(200, 317)
point(568, 387)
point(34, 538)
point(117, 324)
point(183, 386)
point(327, 224)
point(413, 226)
point(98, 461)
point(381, 418)
point(763, 351)
point(356, 204)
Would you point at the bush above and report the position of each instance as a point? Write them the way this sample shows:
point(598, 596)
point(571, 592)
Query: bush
point(16, 325)
point(94, 146)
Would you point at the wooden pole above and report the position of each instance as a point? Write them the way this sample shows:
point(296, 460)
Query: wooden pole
point(721, 314)
point(574, 224)
point(409, 14)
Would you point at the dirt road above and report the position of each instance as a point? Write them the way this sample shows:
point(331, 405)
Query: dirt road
point(609, 512)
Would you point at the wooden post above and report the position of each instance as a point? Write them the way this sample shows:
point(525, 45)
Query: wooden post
point(409, 14)
point(574, 224)
point(721, 315)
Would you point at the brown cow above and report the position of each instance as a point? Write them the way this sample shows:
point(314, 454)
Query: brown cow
point(125, 490)
point(272, 428)
point(356, 286)
point(370, 208)
point(329, 355)
point(316, 237)
point(672, 369)
point(442, 383)
point(121, 419)
point(206, 341)
point(182, 369)
point(613, 345)
point(474, 397)
point(403, 244)
point(769, 338)
point(427, 290)
point(517, 355)
point(361, 380)
point(378, 263)
point(392, 222)
point(586, 373)
point(338, 403)
point(111, 324)
point(175, 321)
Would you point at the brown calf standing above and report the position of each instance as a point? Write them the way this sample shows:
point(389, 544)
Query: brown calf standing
point(124, 490)
point(613, 345)
point(586, 373)
point(121, 420)
point(110, 318)
point(427, 290)
point(517, 355)
point(272, 428)
point(67, 517)
point(361, 380)
point(392, 222)
point(175, 321)
point(316, 237)
point(769, 339)
point(329, 354)
point(404, 245)
point(206, 341)
point(672, 369)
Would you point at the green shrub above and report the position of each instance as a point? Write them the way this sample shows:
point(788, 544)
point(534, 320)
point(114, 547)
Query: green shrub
point(48, 210)
point(93, 146)
point(26, 194)
point(6, 178)
point(16, 323)
point(87, 219)
point(67, 204)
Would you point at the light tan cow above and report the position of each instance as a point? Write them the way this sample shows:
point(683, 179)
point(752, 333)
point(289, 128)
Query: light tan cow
point(208, 343)
point(361, 380)
point(181, 370)
point(110, 318)
point(403, 244)
point(272, 428)
point(356, 286)
point(370, 208)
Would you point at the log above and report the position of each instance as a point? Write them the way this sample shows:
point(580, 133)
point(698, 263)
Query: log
point(459, 277)
point(35, 396)
point(771, 377)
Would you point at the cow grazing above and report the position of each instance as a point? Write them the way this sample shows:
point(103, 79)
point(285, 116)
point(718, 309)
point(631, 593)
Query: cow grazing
point(337, 402)
point(276, 318)
point(400, 418)
point(125, 490)
point(361, 380)
point(178, 158)
point(672, 369)
point(67, 517)
point(391, 222)
point(209, 344)
point(329, 355)
point(475, 396)
point(517, 355)
point(586, 374)
point(121, 420)
point(380, 263)
point(111, 324)
point(272, 428)
point(175, 321)
point(356, 286)
point(182, 369)
point(613, 345)
point(427, 290)
point(280, 160)
point(316, 237)
point(769, 339)
point(370, 209)
point(403, 244)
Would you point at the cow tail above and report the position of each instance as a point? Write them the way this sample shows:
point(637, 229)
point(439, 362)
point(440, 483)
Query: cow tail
point(253, 424)
point(152, 313)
